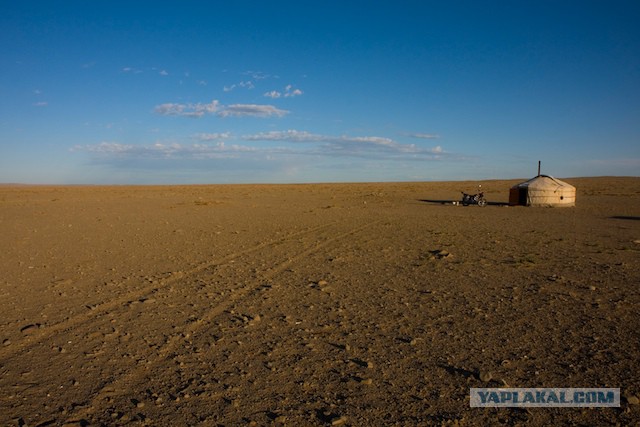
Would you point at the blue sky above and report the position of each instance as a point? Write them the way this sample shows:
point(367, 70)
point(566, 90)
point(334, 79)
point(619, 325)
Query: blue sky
point(292, 91)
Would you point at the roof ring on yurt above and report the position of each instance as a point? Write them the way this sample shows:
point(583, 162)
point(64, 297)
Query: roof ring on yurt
point(543, 190)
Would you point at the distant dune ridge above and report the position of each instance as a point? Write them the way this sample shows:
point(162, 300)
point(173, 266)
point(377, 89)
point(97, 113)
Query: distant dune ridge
point(313, 304)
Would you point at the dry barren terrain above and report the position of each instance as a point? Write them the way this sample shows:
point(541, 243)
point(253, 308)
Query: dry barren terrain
point(325, 304)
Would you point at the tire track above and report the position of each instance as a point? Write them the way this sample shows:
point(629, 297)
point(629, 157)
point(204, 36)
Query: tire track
point(36, 336)
point(126, 381)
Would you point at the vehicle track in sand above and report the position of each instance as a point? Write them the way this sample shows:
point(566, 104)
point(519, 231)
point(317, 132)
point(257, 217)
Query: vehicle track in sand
point(40, 333)
point(183, 304)
point(124, 383)
point(84, 346)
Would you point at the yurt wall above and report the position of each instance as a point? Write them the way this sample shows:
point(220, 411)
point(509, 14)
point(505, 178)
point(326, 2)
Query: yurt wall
point(544, 191)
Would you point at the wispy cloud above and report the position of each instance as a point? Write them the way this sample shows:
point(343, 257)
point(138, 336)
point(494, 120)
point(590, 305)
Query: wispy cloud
point(212, 136)
point(131, 70)
point(289, 92)
point(258, 75)
point(214, 107)
point(245, 84)
point(187, 110)
point(251, 110)
point(273, 94)
point(219, 150)
point(348, 145)
point(294, 147)
point(38, 93)
point(287, 135)
point(304, 136)
point(254, 77)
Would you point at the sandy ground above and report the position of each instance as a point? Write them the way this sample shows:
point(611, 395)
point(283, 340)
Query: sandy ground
point(312, 305)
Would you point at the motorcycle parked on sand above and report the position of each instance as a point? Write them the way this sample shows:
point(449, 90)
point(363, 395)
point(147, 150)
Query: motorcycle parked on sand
point(474, 199)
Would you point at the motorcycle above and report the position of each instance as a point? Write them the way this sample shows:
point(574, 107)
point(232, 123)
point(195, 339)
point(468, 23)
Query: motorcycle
point(474, 199)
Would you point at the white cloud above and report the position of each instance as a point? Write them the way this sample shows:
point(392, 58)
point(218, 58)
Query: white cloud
point(423, 135)
point(251, 110)
point(289, 92)
point(187, 110)
point(304, 136)
point(287, 135)
point(170, 109)
point(214, 107)
point(245, 84)
point(376, 140)
point(131, 70)
point(212, 136)
point(104, 147)
point(163, 73)
point(295, 147)
point(41, 104)
point(160, 150)
point(349, 145)
point(332, 145)
point(273, 94)
point(210, 108)
point(257, 75)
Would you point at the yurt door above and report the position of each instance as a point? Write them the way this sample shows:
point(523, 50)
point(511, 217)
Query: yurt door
point(522, 196)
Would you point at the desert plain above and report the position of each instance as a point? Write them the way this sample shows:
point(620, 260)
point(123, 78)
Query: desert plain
point(312, 305)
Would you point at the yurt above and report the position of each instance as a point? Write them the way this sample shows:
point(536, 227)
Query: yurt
point(543, 190)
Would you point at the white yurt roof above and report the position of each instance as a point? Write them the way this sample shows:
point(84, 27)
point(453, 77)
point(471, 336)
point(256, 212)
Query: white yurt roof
point(545, 190)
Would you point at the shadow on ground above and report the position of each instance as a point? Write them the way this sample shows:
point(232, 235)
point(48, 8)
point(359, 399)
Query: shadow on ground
point(634, 218)
point(449, 202)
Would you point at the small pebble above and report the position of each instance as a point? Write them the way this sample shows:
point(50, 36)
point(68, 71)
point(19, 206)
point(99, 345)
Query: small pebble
point(485, 376)
point(29, 328)
point(339, 421)
point(632, 400)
